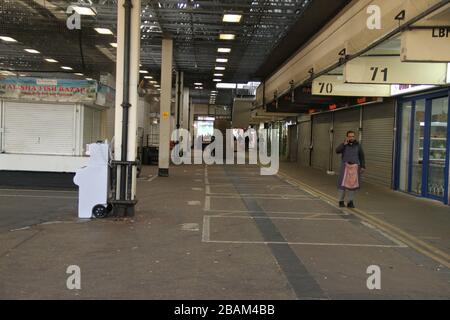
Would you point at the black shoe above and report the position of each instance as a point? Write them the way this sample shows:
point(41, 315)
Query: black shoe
point(341, 204)
point(351, 205)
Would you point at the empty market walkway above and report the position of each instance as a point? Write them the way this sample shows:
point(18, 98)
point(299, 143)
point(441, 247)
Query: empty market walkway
point(218, 232)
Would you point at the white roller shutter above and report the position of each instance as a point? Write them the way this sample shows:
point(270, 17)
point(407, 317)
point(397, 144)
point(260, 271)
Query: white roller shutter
point(97, 126)
point(92, 126)
point(344, 121)
point(88, 120)
point(36, 128)
point(321, 141)
point(377, 141)
point(109, 115)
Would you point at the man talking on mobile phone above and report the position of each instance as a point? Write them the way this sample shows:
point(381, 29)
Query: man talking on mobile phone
point(353, 165)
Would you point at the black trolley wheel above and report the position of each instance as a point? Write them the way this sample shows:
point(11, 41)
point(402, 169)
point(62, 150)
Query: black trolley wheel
point(100, 211)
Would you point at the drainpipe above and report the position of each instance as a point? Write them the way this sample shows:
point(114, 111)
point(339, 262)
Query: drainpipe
point(126, 98)
point(264, 95)
point(178, 98)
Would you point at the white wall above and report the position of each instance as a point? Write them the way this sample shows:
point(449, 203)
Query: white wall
point(43, 163)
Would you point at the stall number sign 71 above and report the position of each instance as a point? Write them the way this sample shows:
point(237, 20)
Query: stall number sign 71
point(376, 71)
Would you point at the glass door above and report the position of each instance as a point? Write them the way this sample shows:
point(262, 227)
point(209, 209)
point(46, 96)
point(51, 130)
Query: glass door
point(405, 146)
point(417, 156)
point(437, 148)
point(423, 147)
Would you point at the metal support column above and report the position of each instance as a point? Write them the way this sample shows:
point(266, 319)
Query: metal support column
point(166, 101)
point(127, 66)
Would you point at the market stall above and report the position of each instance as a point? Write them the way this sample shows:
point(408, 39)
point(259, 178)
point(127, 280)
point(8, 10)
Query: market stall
point(45, 124)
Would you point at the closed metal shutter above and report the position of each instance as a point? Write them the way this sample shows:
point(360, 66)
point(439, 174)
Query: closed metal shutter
point(2, 142)
point(88, 120)
point(109, 116)
point(344, 121)
point(91, 126)
point(377, 141)
point(35, 128)
point(321, 141)
point(293, 143)
point(97, 126)
point(304, 138)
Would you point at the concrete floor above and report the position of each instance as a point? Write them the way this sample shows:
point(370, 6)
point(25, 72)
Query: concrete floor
point(225, 232)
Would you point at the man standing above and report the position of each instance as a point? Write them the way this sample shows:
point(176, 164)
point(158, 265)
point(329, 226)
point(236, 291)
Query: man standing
point(353, 165)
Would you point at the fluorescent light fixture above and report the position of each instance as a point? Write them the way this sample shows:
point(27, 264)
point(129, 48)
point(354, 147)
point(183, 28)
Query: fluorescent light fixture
point(143, 71)
point(31, 51)
point(217, 80)
point(226, 85)
point(113, 44)
point(7, 73)
point(153, 82)
point(448, 73)
point(78, 74)
point(218, 74)
point(224, 50)
point(233, 18)
point(66, 68)
point(214, 91)
point(198, 84)
point(227, 36)
point(7, 39)
point(148, 77)
point(157, 86)
point(206, 119)
point(84, 11)
point(103, 30)
point(220, 68)
point(89, 79)
point(51, 60)
point(221, 60)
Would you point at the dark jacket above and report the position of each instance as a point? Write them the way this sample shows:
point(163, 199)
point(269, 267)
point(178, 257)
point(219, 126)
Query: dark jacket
point(352, 153)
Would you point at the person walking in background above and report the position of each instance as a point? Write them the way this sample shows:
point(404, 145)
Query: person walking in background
point(353, 165)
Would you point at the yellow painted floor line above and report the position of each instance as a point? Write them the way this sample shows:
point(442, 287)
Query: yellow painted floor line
point(410, 240)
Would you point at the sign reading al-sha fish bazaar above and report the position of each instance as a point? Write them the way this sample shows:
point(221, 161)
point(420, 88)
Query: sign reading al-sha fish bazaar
point(55, 90)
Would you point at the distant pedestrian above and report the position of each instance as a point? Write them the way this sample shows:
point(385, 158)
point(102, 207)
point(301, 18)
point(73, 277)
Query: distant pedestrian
point(353, 165)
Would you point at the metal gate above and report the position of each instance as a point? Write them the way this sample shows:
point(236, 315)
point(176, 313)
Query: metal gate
point(321, 141)
point(293, 143)
point(304, 145)
point(377, 141)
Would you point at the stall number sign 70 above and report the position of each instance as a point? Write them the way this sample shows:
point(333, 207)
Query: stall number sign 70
point(376, 71)
point(326, 87)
